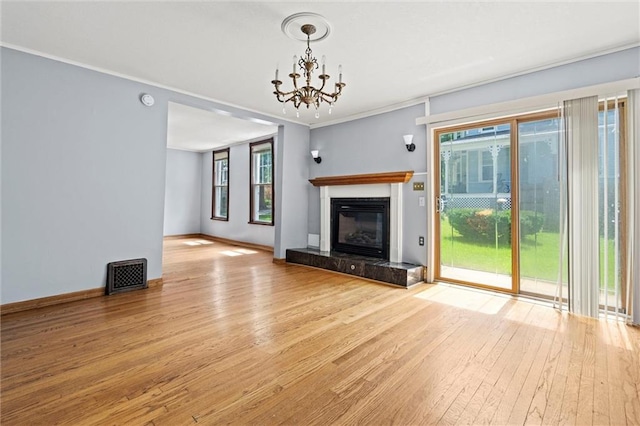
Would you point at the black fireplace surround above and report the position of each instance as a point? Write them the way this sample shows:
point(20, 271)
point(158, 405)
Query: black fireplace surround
point(360, 226)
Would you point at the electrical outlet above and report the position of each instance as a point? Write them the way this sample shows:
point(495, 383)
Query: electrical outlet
point(421, 201)
point(421, 241)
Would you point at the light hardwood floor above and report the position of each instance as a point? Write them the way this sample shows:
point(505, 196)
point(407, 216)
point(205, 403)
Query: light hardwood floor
point(233, 338)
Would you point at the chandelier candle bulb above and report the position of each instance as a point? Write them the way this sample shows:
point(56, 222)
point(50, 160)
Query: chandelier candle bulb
point(339, 73)
point(307, 94)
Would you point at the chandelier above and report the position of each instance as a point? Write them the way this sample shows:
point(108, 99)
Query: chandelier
point(308, 95)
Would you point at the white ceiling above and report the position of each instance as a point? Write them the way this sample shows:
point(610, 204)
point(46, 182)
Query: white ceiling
point(393, 53)
point(195, 129)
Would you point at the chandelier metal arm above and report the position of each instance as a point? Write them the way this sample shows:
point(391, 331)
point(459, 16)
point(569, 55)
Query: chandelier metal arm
point(308, 94)
point(332, 97)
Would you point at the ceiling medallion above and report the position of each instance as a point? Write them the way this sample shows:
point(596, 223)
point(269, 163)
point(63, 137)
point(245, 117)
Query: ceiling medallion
point(307, 95)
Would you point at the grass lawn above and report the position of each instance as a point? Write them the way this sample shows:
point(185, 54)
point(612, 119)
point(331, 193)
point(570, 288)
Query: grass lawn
point(538, 255)
point(264, 217)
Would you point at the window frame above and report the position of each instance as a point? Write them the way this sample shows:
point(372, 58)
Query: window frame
point(252, 185)
point(482, 166)
point(214, 185)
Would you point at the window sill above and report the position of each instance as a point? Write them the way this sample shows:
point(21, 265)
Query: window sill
point(221, 219)
point(260, 223)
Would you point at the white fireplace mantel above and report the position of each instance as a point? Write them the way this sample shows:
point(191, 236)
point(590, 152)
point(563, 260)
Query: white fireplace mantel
point(377, 185)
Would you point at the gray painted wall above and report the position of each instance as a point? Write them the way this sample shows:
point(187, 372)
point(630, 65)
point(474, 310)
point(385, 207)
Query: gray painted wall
point(83, 166)
point(374, 145)
point(83, 175)
point(237, 227)
point(292, 201)
point(83, 172)
point(183, 192)
point(601, 69)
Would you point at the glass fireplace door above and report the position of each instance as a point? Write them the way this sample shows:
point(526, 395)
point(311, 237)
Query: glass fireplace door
point(360, 226)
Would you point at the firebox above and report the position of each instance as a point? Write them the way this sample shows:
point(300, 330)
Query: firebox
point(360, 226)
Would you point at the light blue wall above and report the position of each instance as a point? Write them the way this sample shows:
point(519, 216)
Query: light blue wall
point(83, 175)
point(183, 191)
point(83, 172)
point(237, 227)
point(601, 69)
point(374, 145)
point(290, 188)
point(292, 151)
point(83, 166)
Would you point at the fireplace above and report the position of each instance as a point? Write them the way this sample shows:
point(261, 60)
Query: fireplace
point(360, 226)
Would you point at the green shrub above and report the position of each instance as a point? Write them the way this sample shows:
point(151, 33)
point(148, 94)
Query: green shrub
point(530, 222)
point(480, 225)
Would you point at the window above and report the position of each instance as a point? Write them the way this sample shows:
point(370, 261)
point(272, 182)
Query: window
point(486, 167)
point(261, 178)
point(220, 203)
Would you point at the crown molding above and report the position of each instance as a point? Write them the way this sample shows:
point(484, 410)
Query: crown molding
point(144, 81)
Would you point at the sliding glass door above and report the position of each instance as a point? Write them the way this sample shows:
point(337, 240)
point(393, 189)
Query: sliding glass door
point(612, 288)
point(475, 206)
point(539, 190)
point(501, 198)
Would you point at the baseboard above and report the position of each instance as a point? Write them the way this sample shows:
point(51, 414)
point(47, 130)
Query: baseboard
point(178, 236)
point(41, 302)
point(278, 261)
point(236, 243)
point(156, 282)
point(9, 308)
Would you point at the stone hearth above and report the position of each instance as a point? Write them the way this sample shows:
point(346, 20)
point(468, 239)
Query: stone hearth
point(401, 274)
point(392, 271)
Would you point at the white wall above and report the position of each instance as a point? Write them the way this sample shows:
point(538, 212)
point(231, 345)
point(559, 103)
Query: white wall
point(237, 227)
point(183, 191)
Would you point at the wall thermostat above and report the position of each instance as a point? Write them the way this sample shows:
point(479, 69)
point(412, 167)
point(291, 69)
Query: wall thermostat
point(147, 99)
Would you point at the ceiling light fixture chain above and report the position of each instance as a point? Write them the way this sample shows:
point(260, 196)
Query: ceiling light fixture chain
point(308, 94)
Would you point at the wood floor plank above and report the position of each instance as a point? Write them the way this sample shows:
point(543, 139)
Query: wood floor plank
point(496, 341)
point(532, 381)
point(601, 379)
point(542, 394)
point(568, 331)
point(522, 347)
point(232, 338)
point(431, 400)
point(626, 384)
point(420, 389)
point(472, 404)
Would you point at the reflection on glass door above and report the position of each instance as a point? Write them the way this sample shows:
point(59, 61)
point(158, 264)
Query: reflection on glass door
point(474, 205)
point(539, 198)
point(478, 194)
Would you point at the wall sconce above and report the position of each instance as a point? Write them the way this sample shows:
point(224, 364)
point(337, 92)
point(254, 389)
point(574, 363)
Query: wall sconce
point(408, 142)
point(316, 156)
